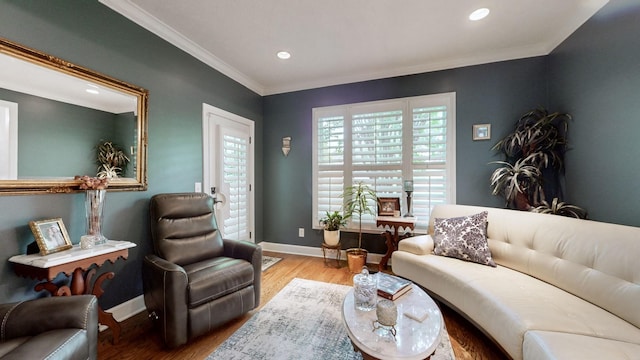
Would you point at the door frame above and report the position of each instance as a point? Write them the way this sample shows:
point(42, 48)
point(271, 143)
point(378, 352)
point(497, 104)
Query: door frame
point(207, 144)
point(10, 148)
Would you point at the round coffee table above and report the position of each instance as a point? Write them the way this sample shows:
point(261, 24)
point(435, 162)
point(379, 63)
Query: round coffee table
point(413, 340)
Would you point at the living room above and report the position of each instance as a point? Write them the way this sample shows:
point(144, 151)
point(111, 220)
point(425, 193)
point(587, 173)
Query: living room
point(592, 75)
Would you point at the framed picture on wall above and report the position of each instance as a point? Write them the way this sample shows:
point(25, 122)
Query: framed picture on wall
point(388, 205)
point(51, 235)
point(482, 132)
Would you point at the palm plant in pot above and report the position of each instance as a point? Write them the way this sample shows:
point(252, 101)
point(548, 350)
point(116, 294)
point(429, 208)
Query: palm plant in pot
point(358, 200)
point(534, 161)
point(332, 223)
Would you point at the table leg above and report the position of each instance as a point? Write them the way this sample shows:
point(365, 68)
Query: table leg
point(324, 255)
point(390, 248)
point(53, 289)
point(106, 318)
point(77, 282)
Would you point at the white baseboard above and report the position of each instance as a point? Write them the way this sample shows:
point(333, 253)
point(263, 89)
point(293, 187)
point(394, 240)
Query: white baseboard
point(126, 310)
point(310, 251)
point(136, 305)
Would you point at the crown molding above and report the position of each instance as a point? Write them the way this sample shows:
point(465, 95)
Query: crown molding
point(144, 19)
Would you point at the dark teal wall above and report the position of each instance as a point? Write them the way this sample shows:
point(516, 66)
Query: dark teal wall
point(496, 93)
point(595, 76)
point(90, 34)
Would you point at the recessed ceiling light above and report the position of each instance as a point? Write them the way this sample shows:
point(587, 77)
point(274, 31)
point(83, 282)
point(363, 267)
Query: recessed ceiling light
point(479, 14)
point(284, 55)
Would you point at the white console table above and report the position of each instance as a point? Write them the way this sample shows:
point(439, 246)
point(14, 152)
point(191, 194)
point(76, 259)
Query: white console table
point(78, 264)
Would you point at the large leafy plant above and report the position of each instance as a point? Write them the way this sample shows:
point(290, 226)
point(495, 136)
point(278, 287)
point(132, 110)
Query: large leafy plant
point(534, 161)
point(358, 200)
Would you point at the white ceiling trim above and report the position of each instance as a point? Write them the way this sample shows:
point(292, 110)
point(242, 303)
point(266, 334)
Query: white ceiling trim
point(141, 17)
point(451, 63)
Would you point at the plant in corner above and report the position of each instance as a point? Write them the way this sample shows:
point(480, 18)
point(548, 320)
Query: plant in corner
point(357, 201)
point(534, 161)
point(332, 223)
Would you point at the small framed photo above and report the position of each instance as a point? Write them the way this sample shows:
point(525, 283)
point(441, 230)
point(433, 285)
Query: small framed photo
point(482, 132)
point(51, 235)
point(388, 205)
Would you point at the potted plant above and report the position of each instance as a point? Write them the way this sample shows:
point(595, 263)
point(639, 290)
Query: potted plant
point(357, 201)
point(534, 161)
point(111, 159)
point(560, 208)
point(332, 223)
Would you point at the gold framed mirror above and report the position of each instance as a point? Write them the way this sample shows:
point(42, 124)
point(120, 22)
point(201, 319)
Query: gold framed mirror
point(56, 116)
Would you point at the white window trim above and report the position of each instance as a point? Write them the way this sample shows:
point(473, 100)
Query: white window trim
point(447, 99)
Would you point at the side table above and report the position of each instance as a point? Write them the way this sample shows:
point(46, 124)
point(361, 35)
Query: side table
point(392, 240)
point(338, 249)
point(78, 264)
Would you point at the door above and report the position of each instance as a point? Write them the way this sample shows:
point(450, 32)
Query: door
point(228, 167)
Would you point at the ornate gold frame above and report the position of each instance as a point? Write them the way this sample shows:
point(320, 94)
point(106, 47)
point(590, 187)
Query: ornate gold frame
point(68, 185)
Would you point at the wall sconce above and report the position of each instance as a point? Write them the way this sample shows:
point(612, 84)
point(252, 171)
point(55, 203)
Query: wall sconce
point(286, 145)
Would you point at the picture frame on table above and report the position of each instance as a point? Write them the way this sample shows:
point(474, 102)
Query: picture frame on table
point(388, 205)
point(51, 235)
point(482, 132)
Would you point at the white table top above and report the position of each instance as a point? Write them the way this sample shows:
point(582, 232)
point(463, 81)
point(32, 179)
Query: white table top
point(73, 254)
point(414, 340)
point(408, 220)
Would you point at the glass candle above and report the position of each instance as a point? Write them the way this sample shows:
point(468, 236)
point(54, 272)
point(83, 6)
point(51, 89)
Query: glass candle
point(408, 185)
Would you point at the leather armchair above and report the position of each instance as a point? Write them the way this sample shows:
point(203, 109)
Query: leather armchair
point(64, 327)
point(195, 280)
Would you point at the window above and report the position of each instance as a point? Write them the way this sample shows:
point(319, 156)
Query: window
point(381, 144)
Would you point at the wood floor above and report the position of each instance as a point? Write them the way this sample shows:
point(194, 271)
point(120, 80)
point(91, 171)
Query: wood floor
point(139, 340)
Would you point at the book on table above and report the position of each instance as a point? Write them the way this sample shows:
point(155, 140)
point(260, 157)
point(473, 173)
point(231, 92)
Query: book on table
point(391, 287)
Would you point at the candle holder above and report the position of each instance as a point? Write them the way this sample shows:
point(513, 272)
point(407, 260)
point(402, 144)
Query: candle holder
point(408, 188)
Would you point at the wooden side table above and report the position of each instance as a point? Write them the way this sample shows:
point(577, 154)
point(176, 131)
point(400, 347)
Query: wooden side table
point(338, 248)
point(78, 264)
point(392, 240)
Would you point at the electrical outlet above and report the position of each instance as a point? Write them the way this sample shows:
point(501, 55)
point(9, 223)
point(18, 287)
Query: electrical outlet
point(198, 187)
point(300, 232)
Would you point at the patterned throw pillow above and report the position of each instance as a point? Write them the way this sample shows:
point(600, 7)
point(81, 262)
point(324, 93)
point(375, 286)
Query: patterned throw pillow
point(463, 238)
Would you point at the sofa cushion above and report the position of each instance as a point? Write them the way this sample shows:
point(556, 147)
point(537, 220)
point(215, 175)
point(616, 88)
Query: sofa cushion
point(54, 344)
point(464, 238)
point(215, 278)
point(542, 345)
point(419, 245)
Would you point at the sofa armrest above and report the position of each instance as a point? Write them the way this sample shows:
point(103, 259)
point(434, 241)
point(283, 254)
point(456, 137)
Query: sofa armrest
point(165, 294)
point(419, 245)
point(33, 317)
point(250, 252)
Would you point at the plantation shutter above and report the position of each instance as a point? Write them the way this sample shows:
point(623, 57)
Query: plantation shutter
point(381, 144)
point(330, 163)
point(236, 177)
point(378, 151)
point(429, 159)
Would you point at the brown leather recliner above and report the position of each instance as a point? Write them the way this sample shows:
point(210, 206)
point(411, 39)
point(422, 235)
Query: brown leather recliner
point(64, 327)
point(196, 280)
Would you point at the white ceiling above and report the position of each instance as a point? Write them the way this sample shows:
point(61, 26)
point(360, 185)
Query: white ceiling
point(31, 78)
point(341, 41)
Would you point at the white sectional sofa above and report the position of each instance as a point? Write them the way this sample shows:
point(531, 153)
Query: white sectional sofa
point(563, 288)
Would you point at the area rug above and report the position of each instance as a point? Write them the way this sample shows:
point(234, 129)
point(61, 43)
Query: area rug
point(269, 261)
point(302, 322)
